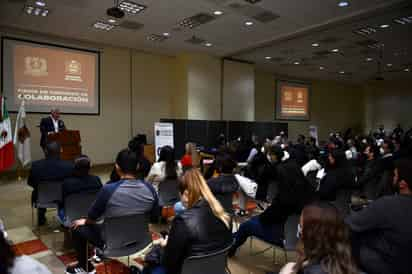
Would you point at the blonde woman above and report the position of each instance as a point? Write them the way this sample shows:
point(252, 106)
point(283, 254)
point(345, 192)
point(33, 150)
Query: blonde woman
point(201, 229)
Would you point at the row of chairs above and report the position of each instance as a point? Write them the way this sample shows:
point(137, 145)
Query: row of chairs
point(125, 235)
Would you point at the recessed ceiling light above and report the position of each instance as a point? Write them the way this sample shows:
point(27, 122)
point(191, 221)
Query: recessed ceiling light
point(384, 26)
point(218, 12)
point(343, 4)
point(36, 11)
point(103, 26)
point(40, 3)
point(296, 63)
point(389, 65)
point(407, 70)
point(369, 59)
point(248, 23)
point(342, 72)
point(315, 45)
point(166, 34)
point(131, 7)
point(365, 31)
point(335, 50)
point(268, 57)
point(321, 68)
point(111, 21)
point(208, 44)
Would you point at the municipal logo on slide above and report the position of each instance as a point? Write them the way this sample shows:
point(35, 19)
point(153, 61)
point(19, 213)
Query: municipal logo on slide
point(73, 71)
point(35, 66)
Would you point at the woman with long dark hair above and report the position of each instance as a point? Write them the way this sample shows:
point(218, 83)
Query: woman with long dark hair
point(324, 246)
point(165, 168)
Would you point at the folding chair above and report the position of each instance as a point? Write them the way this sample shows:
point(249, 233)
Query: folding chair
point(290, 239)
point(77, 205)
point(49, 194)
point(215, 263)
point(125, 236)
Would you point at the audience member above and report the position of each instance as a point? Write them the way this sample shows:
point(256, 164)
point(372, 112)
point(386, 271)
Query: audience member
point(293, 194)
point(224, 185)
point(203, 228)
point(382, 232)
point(165, 168)
point(80, 182)
point(125, 197)
point(187, 161)
point(369, 178)
point(49, 169)
point(324, 246)
point(10, 263)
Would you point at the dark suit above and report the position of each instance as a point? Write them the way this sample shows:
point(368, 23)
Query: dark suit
point(47, 169)
point(46, 126)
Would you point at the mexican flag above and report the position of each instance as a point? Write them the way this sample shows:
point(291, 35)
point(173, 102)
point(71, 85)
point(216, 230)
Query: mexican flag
point(6, 140)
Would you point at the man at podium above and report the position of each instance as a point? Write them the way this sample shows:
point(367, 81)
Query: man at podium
point(51, 124)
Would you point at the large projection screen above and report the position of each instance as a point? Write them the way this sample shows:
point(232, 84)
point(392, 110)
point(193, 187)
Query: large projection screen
point(48, 76)
point(292, 101)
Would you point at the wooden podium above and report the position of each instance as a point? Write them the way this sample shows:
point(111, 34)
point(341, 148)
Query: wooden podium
point(69, 141)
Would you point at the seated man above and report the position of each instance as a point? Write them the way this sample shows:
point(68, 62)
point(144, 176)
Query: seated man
point(80, 182)
point(125, 197)
point(51, 168)
point(293, 193)
point(382, 232)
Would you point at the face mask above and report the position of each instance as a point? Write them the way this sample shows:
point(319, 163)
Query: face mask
point(382, 151)
point(299, 232)
point(269, 158)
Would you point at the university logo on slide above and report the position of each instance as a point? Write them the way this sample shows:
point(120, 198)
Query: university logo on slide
point(73, 71)
point(35, 66)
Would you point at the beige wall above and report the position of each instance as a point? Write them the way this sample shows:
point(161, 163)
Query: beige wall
point(204, 81)
point(388, 103)
point(334, 105)
point(153, 85)
point(238, 91)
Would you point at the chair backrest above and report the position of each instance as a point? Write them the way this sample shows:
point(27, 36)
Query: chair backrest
point(77, 205)
point(168, 192)
point(290, 232)
point(215, 263)
point(125, 235)
point(49, 194)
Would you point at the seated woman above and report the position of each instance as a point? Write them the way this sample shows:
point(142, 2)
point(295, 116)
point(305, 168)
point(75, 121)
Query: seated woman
point(80, 182)
point(225, 184)
point(203, 228)
point(324, 246)
point(165, 168)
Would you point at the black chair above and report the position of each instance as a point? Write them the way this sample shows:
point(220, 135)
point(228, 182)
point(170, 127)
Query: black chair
point(226, 200)
point(77, 205)
point(290, 239)
point(49, 195)
point(125, 236)
point(168, 192)
point(215, 263)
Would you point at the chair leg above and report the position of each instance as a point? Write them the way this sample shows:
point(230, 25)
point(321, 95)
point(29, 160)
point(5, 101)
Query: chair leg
point(274, 255)
point(87, 256)
point(105, 267)
point(128, 261)
point(286, 256)
point(251, 245)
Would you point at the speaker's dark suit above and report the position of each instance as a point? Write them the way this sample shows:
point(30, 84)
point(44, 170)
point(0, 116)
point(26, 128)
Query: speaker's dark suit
point(46, 126)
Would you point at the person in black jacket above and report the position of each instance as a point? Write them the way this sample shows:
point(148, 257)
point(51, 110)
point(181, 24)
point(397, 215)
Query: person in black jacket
point(49, 169)
point(225, 185)
point(339, 175)
point(51, 124)
point(381, 233)
point(293, 193)
point(81, 181)
point(203, 228)
point(369, 178)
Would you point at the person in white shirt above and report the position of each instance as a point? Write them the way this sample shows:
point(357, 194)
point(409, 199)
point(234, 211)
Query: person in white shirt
point(51, 124)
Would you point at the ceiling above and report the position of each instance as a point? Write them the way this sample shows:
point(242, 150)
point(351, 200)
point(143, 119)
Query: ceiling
point(281, 29)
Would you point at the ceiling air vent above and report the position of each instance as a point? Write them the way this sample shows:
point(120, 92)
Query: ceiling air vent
point(196, 20)
point(195, 40)
point(131, 25)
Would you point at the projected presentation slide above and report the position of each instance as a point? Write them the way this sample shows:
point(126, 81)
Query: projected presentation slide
point(292, 101)
point(48, 76)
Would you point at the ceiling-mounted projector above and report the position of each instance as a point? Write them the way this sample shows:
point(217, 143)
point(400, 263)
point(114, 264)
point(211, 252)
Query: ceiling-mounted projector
point(115, 12)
